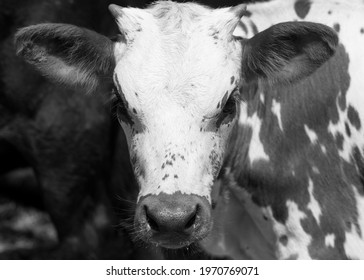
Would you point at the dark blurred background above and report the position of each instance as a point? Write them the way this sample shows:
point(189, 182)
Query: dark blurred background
point(65, 184)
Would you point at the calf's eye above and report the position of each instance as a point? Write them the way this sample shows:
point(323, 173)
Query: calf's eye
point(230, 105)
point(117, 99)
point(120, 104)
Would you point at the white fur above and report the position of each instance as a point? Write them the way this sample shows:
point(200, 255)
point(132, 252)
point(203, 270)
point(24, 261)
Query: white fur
point(180, 73)
point(323, 149)
point(276, 109)
point(315, 170)
point(330, 240)
point(298, 239)
point(313, 205)
point(311, 134)
point(262, 97)
point(354, 243)
point(256, 148)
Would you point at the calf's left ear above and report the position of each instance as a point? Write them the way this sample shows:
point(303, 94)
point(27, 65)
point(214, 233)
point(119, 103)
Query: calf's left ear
point(288, 51)
point(67, 54)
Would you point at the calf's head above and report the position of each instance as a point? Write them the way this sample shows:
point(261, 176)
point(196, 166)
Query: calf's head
point(176, 71)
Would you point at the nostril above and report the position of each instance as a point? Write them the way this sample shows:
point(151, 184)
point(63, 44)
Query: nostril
point(152, 223)
point(191, 222)
point(192, 219)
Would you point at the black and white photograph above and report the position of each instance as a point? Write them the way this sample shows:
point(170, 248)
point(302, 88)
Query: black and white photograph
point(181, 131)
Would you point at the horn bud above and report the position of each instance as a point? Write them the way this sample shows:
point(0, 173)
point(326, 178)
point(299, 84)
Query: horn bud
point(226, 19)
point(129, 20)
point(238, 12)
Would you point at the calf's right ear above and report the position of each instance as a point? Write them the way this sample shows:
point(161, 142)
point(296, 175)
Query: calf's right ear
point(68, 54)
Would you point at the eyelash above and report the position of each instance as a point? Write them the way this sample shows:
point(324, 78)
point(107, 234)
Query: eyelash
point(233, 99)
point(117, 98)
point(230, 104)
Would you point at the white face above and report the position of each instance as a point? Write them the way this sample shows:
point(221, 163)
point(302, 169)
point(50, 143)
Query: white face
point(178, 83)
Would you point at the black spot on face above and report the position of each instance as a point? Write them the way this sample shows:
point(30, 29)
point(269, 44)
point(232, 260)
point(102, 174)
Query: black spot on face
point(353, 117)
point(134, 111)
point(165, 177)
point(329, 12)
point(362, 30)
point(215, 34)
point(347, 129)
point(283, 240)
point(176, 176)
point(302, 8)
point(337, 27)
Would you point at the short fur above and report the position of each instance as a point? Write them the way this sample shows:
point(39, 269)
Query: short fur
point(288, 51)
point(85, 56)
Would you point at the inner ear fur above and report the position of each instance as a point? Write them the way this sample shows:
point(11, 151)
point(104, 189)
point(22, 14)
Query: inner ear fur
point(288, 51)
point(67, 53)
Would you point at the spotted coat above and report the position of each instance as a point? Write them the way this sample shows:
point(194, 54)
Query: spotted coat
point(293, 185)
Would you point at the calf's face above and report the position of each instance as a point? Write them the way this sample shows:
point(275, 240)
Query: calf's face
point(176, 71)
point(177, 86)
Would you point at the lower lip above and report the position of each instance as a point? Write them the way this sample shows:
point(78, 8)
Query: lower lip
point(173, 246)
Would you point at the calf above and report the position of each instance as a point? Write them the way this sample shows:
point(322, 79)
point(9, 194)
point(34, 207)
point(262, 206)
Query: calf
point(62, 134)
point(201, 110)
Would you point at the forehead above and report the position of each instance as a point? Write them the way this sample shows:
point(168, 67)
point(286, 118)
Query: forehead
point(179, 49)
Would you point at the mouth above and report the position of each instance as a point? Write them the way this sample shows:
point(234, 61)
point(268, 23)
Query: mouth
point(172, 241)
point(176, 240)
point(174, 246)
